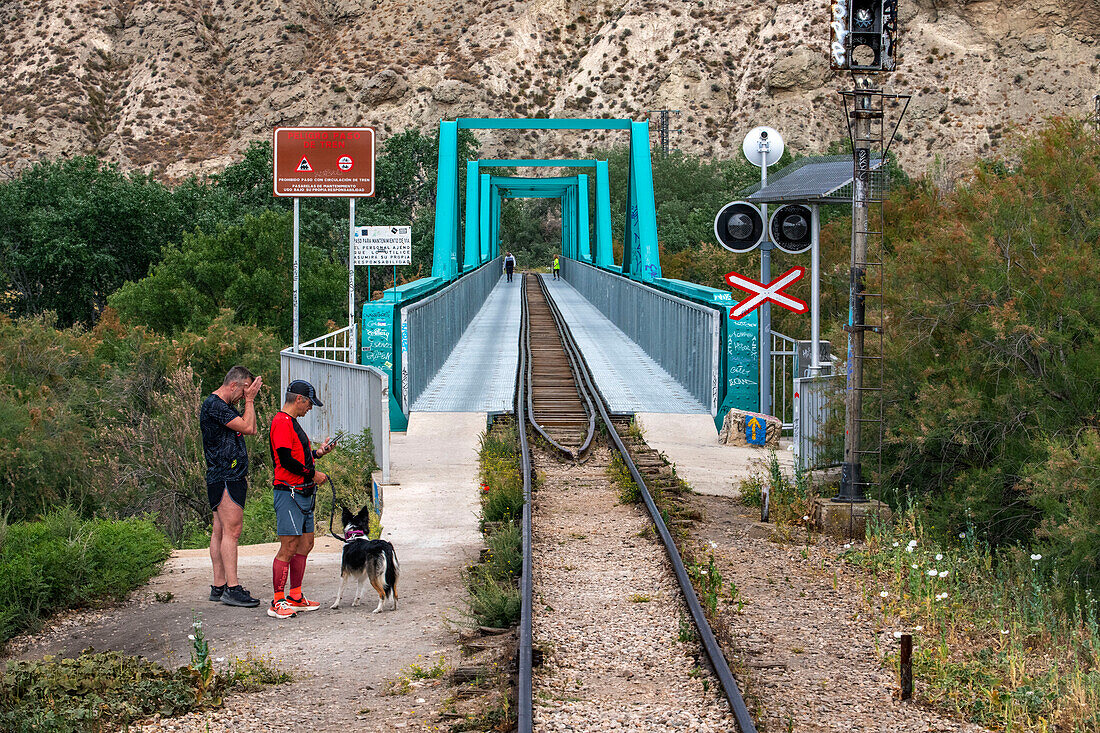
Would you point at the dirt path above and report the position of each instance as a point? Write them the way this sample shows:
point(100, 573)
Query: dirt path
point(342, 659)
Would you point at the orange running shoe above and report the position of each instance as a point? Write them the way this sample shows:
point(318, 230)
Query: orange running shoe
point(281, 609)
point(302, 603)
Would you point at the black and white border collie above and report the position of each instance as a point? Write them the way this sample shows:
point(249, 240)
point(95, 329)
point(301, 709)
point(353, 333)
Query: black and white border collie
point(367, 559)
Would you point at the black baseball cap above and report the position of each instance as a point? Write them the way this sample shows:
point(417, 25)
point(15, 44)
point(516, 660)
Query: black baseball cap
point(304, 388)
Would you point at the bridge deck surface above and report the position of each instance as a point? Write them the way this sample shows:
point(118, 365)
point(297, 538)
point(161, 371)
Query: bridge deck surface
point(480, 374)
point(629, 379)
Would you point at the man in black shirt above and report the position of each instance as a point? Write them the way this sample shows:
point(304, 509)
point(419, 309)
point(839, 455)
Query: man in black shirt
point(223, 431)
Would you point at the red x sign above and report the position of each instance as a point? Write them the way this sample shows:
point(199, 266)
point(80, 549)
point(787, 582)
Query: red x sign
point(761, 292)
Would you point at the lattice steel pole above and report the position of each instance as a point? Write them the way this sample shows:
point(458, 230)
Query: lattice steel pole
point(864, 114)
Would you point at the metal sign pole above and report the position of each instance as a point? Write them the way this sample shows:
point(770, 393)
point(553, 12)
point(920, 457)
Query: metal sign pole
point(295, 275)
point(351, 281)
point(766, 308)
point(815, 291)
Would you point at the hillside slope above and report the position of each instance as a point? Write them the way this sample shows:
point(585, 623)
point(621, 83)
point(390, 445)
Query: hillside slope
point(181, 86)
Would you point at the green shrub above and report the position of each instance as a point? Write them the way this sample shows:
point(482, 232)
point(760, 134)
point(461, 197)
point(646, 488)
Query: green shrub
point(502, 487)
point(492, 602)
point(62, 562)
point(504, 552)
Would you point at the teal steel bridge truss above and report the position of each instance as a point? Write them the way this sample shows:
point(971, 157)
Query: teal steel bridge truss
point(485, 194)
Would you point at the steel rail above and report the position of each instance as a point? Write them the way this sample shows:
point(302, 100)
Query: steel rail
point(524, 703)
point(706, 634)
point(574, 368)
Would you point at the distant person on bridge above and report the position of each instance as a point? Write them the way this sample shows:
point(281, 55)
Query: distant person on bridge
point(223, 430)
point(295, 484)
point(509, 265)
point(557, 268)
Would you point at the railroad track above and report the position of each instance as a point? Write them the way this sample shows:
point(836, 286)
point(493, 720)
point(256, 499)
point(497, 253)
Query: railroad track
point(556, 393)
point(558, 408)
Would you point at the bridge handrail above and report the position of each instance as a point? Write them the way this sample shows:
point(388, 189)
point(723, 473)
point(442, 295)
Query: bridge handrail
point(334, 346)
point(445, 315)
point(684, 341)
point(356, 397)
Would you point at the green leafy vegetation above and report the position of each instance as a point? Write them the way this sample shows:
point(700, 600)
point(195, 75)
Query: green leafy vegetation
point(494, 599)
point(1000, 637)
point(63, 561)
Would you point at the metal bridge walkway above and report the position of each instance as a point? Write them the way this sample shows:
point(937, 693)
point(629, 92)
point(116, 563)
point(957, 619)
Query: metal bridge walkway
point(629, 379)
point(480, 374)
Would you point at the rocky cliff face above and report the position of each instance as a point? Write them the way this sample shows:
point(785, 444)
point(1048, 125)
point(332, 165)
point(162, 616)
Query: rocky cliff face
point(182, 86)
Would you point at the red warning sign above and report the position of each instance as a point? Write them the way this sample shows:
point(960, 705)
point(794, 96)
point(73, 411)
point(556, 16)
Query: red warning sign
point(324, 161)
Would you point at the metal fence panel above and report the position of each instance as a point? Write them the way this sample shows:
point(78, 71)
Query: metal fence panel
point(812, 409)
point(434, 326)
point(681, 336)
point(356, 397)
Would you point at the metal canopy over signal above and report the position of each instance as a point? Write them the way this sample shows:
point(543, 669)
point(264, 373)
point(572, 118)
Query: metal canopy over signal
point(739, 226)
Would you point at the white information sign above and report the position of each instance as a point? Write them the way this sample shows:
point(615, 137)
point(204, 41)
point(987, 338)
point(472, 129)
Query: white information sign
point(382, 246)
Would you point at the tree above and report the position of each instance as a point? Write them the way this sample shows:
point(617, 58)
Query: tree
point(72, 231)
point(245, 267)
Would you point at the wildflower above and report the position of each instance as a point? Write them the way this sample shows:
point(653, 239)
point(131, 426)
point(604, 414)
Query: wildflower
point(939, 557)
point(912, 543)
point(846, 546)
point(943, 573)
point(914, 566)
point(895, 544)
point(909, 548)
point(191, 637)
point(713, 545)
point(932, 572)
point(884, 594)
point(897, 634)
point(220, 659)
point(962, 535)
point(1004, 631)
point(918, 628)
point(1036, 557)
point(806, 518)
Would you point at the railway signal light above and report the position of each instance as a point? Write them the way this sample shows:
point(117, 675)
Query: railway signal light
point(739, 226)
point(791, 228)
point(863, 34)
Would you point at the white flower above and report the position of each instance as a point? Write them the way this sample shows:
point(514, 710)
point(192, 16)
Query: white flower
point(943, 573)
point(1029, 693)
point(897, 634)
point(714, 545)
point(939, 557)
point(220, 659)
point(884, 594)
point(912, 543)
point(1004, 631)
point(895, 544)
point(914, 566)
point(941, 596)
point(847, 545)
point(191, 637)
point(806, 518)
point(932, 572)
point(1036, 557)
point(918, 628)
point(962, 535)
point(909, 548)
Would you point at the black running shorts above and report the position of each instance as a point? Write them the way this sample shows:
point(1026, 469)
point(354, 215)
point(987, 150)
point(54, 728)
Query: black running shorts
point(234, 489)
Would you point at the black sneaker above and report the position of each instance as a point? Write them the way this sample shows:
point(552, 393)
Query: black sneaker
point(216, 592)
point(237, 596)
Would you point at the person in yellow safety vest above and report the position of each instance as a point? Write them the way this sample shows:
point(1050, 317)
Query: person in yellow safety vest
point(557, 268)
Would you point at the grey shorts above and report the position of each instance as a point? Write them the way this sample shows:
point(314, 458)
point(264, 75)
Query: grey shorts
point(293, 513)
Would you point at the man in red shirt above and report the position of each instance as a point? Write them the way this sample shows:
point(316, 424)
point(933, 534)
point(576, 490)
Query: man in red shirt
point(295, 484)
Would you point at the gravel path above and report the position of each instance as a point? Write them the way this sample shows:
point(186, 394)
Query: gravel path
point(606, 616)
point(809, 650)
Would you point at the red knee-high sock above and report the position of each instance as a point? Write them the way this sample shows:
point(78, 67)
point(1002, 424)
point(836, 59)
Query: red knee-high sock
point(297, 570)
point(279, 570)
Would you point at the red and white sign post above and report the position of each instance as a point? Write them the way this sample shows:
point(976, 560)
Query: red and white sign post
point(322, 161)
point(762, 293)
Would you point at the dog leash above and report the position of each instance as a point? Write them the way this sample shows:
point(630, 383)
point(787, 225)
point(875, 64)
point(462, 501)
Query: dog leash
point(332, 513)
